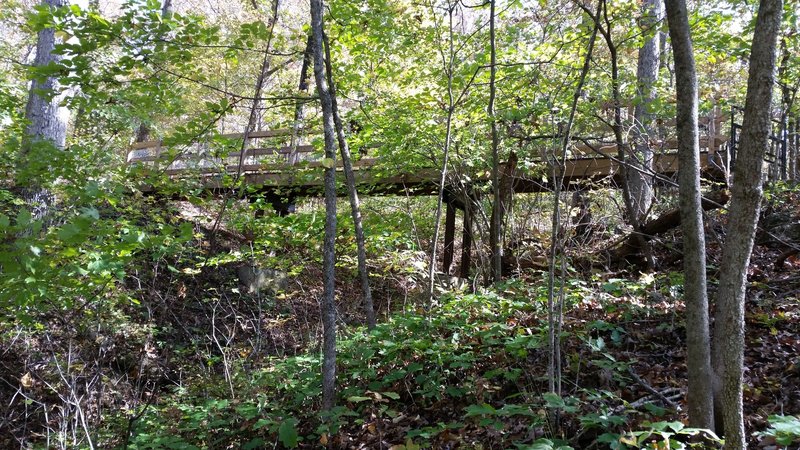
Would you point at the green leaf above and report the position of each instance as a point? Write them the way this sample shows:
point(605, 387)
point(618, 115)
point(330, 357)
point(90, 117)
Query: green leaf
point(261, 423)
point(553, 400)
point(287, 433)
point(480, 410)
point(328, 163)
point(254, 443)
point(24, 218)
point(785, 429)
point(357, 399)
point(91, 213)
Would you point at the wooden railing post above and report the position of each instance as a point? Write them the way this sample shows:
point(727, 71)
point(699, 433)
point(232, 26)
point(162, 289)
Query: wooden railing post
point(793, 150)
point(466, 239)
point(158, 153)
point(784, 146)
point(449, 234)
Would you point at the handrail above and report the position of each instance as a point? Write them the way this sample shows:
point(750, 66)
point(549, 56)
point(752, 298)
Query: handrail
point(205, 162)
point(281, 132)
point(199, 156)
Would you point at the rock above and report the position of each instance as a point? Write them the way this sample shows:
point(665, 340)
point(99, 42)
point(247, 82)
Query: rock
point(779, 228)
point(262, 280)
point(450, 283)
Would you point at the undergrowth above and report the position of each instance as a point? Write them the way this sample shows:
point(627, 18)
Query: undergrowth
point(468, 371)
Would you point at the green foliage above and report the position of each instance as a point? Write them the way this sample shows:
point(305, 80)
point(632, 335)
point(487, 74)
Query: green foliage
point(784, 429)
point(543, 444)
point(666, 435)
point(436, 355)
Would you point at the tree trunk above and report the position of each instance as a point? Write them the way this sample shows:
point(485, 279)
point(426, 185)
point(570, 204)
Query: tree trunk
point(47, 122)
point(328, 304)
point(496, 227)
point(640, 183)
point(665, 222)
point(253, 118)
point(619, 139)
point(143, 130)
point(504, 198)
point(299, 114)
point(742, 220)
point(448, 65)
point(554, 316)
point(698, 359)
point(352, 193)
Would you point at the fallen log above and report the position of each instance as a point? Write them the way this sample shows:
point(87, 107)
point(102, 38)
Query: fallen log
point(783, 257)
point(630, 245)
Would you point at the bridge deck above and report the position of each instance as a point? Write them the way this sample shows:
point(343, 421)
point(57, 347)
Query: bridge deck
point(299, 169)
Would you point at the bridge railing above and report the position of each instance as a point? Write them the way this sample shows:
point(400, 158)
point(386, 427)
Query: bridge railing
point(266, 150)
point(269, 151)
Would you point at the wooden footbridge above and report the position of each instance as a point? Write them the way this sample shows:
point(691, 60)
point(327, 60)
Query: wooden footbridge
point(280, 172)
point(297, 171)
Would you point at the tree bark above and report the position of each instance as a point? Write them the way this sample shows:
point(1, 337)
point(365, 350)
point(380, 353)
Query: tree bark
point(619, 139)
point(47, 122)
point(698, 359)
point(299, 114)
point(554, 316)
point(328, 304)
point(352, 193)
point(143, 130)
point(448, 63)
point(639, 183)
point(47, 119)
point(742, 220)
point(496, 226)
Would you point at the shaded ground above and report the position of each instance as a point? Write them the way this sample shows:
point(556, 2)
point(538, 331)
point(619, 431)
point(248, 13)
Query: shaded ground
point(473, 373)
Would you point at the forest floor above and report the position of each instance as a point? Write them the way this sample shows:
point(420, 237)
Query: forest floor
point(197, 362)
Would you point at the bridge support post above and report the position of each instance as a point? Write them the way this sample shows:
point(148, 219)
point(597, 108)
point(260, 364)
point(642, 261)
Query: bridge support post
point(784, 148)
point(449, 235)
point(466, 241)
point(284, 205)
point(793, 151)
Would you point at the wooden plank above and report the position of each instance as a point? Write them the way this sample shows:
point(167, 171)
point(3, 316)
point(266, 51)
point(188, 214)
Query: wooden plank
point(280, 132)
point(466, 243)
point(262, 134)
point(273, 151)
point(449, 236)
point(250, 153)
point(658, 146)
point(361, 164)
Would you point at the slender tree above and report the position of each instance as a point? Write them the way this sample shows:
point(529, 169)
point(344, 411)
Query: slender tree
point(143, 131)
point(448, 65)
point(352, 192)
point(743, 214)
point(605, 27)
point(253, 118)
point(700, 399)
point(328, 303)
point(639, 183)
point(496, 227)
point(554, 312)
point(299, 109)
